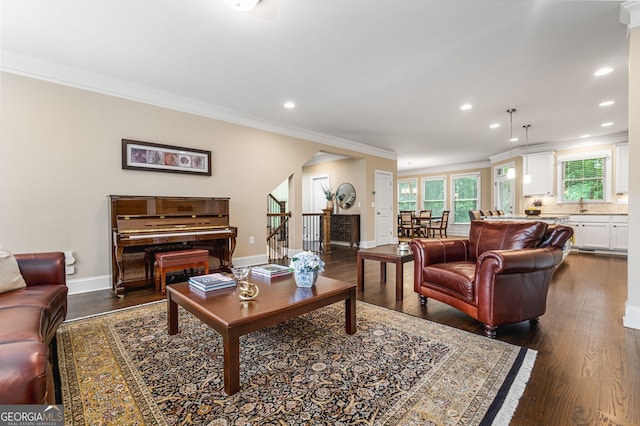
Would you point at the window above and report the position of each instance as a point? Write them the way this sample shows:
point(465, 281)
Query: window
point(504, 189)
point(466, 193)
point(408, 194)
point(433, 195)
point(586, 177)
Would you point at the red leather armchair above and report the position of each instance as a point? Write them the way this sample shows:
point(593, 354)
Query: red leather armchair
point(499, 275)
point(30, 317)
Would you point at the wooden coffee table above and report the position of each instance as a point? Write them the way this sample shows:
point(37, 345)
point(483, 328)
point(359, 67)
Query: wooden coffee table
point(384, 254)
point(278, 300)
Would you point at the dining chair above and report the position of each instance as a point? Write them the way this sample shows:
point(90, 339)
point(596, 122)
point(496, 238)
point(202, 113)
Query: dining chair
point(439, 225)
point(424, 220)
point(408, 227)
point(475, 215)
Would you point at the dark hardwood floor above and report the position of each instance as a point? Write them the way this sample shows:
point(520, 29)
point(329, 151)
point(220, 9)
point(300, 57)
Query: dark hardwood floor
point(587, 371)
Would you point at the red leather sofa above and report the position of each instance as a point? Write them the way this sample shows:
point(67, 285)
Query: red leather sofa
point(499, 275)
point(30, 317)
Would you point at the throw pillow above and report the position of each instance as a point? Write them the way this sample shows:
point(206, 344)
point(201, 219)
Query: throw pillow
point(10, 276)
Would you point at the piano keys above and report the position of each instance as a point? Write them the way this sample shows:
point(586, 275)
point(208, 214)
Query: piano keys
point(142, 224)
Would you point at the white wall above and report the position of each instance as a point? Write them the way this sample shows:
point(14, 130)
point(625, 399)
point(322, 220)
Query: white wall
point(61, 158)
point(632, 309)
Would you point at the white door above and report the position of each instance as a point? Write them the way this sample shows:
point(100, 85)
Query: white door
point(384, 207)
point(318, 202)
point(504, 190)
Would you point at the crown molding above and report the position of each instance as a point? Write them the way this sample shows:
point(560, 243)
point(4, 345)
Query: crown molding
point(630, 14)
point(443, 169)
point(612, 139)
point(66, 76)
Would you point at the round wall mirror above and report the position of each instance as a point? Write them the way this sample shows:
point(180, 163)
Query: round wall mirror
point(345, 195)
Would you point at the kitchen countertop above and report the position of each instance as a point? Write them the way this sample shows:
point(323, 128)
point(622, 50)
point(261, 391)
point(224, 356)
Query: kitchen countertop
point(591, 214)
point(544, 216)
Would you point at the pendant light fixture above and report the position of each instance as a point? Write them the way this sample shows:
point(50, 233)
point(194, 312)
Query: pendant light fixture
point(511, 171)
point(527, 177)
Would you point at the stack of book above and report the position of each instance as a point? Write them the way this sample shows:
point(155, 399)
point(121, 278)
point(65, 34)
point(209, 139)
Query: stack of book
point(270, 271)
point(210, 282)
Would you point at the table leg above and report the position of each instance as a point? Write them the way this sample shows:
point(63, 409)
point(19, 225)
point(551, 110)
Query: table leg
point(399, 279)
point(350, 312)
point(383, 271)
point(231, 342)
point(163, 281)
point(360, 268)
point(172, 315)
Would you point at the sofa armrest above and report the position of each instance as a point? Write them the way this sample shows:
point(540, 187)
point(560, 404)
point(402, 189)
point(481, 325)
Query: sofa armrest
point(429, 251)
point(495, 262)
point(42, 268)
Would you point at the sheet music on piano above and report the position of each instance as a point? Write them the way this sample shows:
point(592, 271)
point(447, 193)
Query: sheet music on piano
point(143, 225)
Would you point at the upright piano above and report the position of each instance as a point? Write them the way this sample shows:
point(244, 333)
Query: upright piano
point(145, 224)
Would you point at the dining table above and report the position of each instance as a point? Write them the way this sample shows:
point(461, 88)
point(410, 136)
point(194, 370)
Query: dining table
point(417, 224)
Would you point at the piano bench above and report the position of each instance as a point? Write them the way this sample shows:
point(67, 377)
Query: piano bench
point(150, 258)
point(178, 260)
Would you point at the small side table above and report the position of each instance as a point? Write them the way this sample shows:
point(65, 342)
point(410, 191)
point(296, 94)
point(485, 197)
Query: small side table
point(384, 254)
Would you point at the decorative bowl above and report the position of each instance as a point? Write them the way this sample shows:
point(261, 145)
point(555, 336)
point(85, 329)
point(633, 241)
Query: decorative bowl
point(532, 212)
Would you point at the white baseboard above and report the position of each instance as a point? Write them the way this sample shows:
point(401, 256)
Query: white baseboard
point(631, 317)
point(599, 251)
point(103, 282)
point(85, 285)
point(369, 244)
point(251, 260)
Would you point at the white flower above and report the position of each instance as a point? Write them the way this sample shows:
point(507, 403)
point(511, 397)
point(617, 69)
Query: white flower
point(306, 261)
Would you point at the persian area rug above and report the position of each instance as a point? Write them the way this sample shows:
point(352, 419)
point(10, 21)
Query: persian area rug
point(123, 368)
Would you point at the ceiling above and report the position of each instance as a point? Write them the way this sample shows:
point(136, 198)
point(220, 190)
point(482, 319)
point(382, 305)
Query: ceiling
point(386, 75)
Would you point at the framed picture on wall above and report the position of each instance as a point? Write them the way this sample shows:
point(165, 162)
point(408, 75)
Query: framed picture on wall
point(137, 155)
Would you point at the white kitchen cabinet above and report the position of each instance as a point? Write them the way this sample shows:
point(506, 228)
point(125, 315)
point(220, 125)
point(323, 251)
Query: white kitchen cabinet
point(622, 168)
point(541, 170)
point(600, 232)
point(595, 235)
point(619, 233)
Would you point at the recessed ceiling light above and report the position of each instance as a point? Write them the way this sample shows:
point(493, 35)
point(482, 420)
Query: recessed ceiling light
point(606, 103)
point(494, 125)
point(603, 71)
point(289, 105)
point(466, 107)
point(513, 140)
point(607, 124)
point(241, 5)
point(584, 136)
